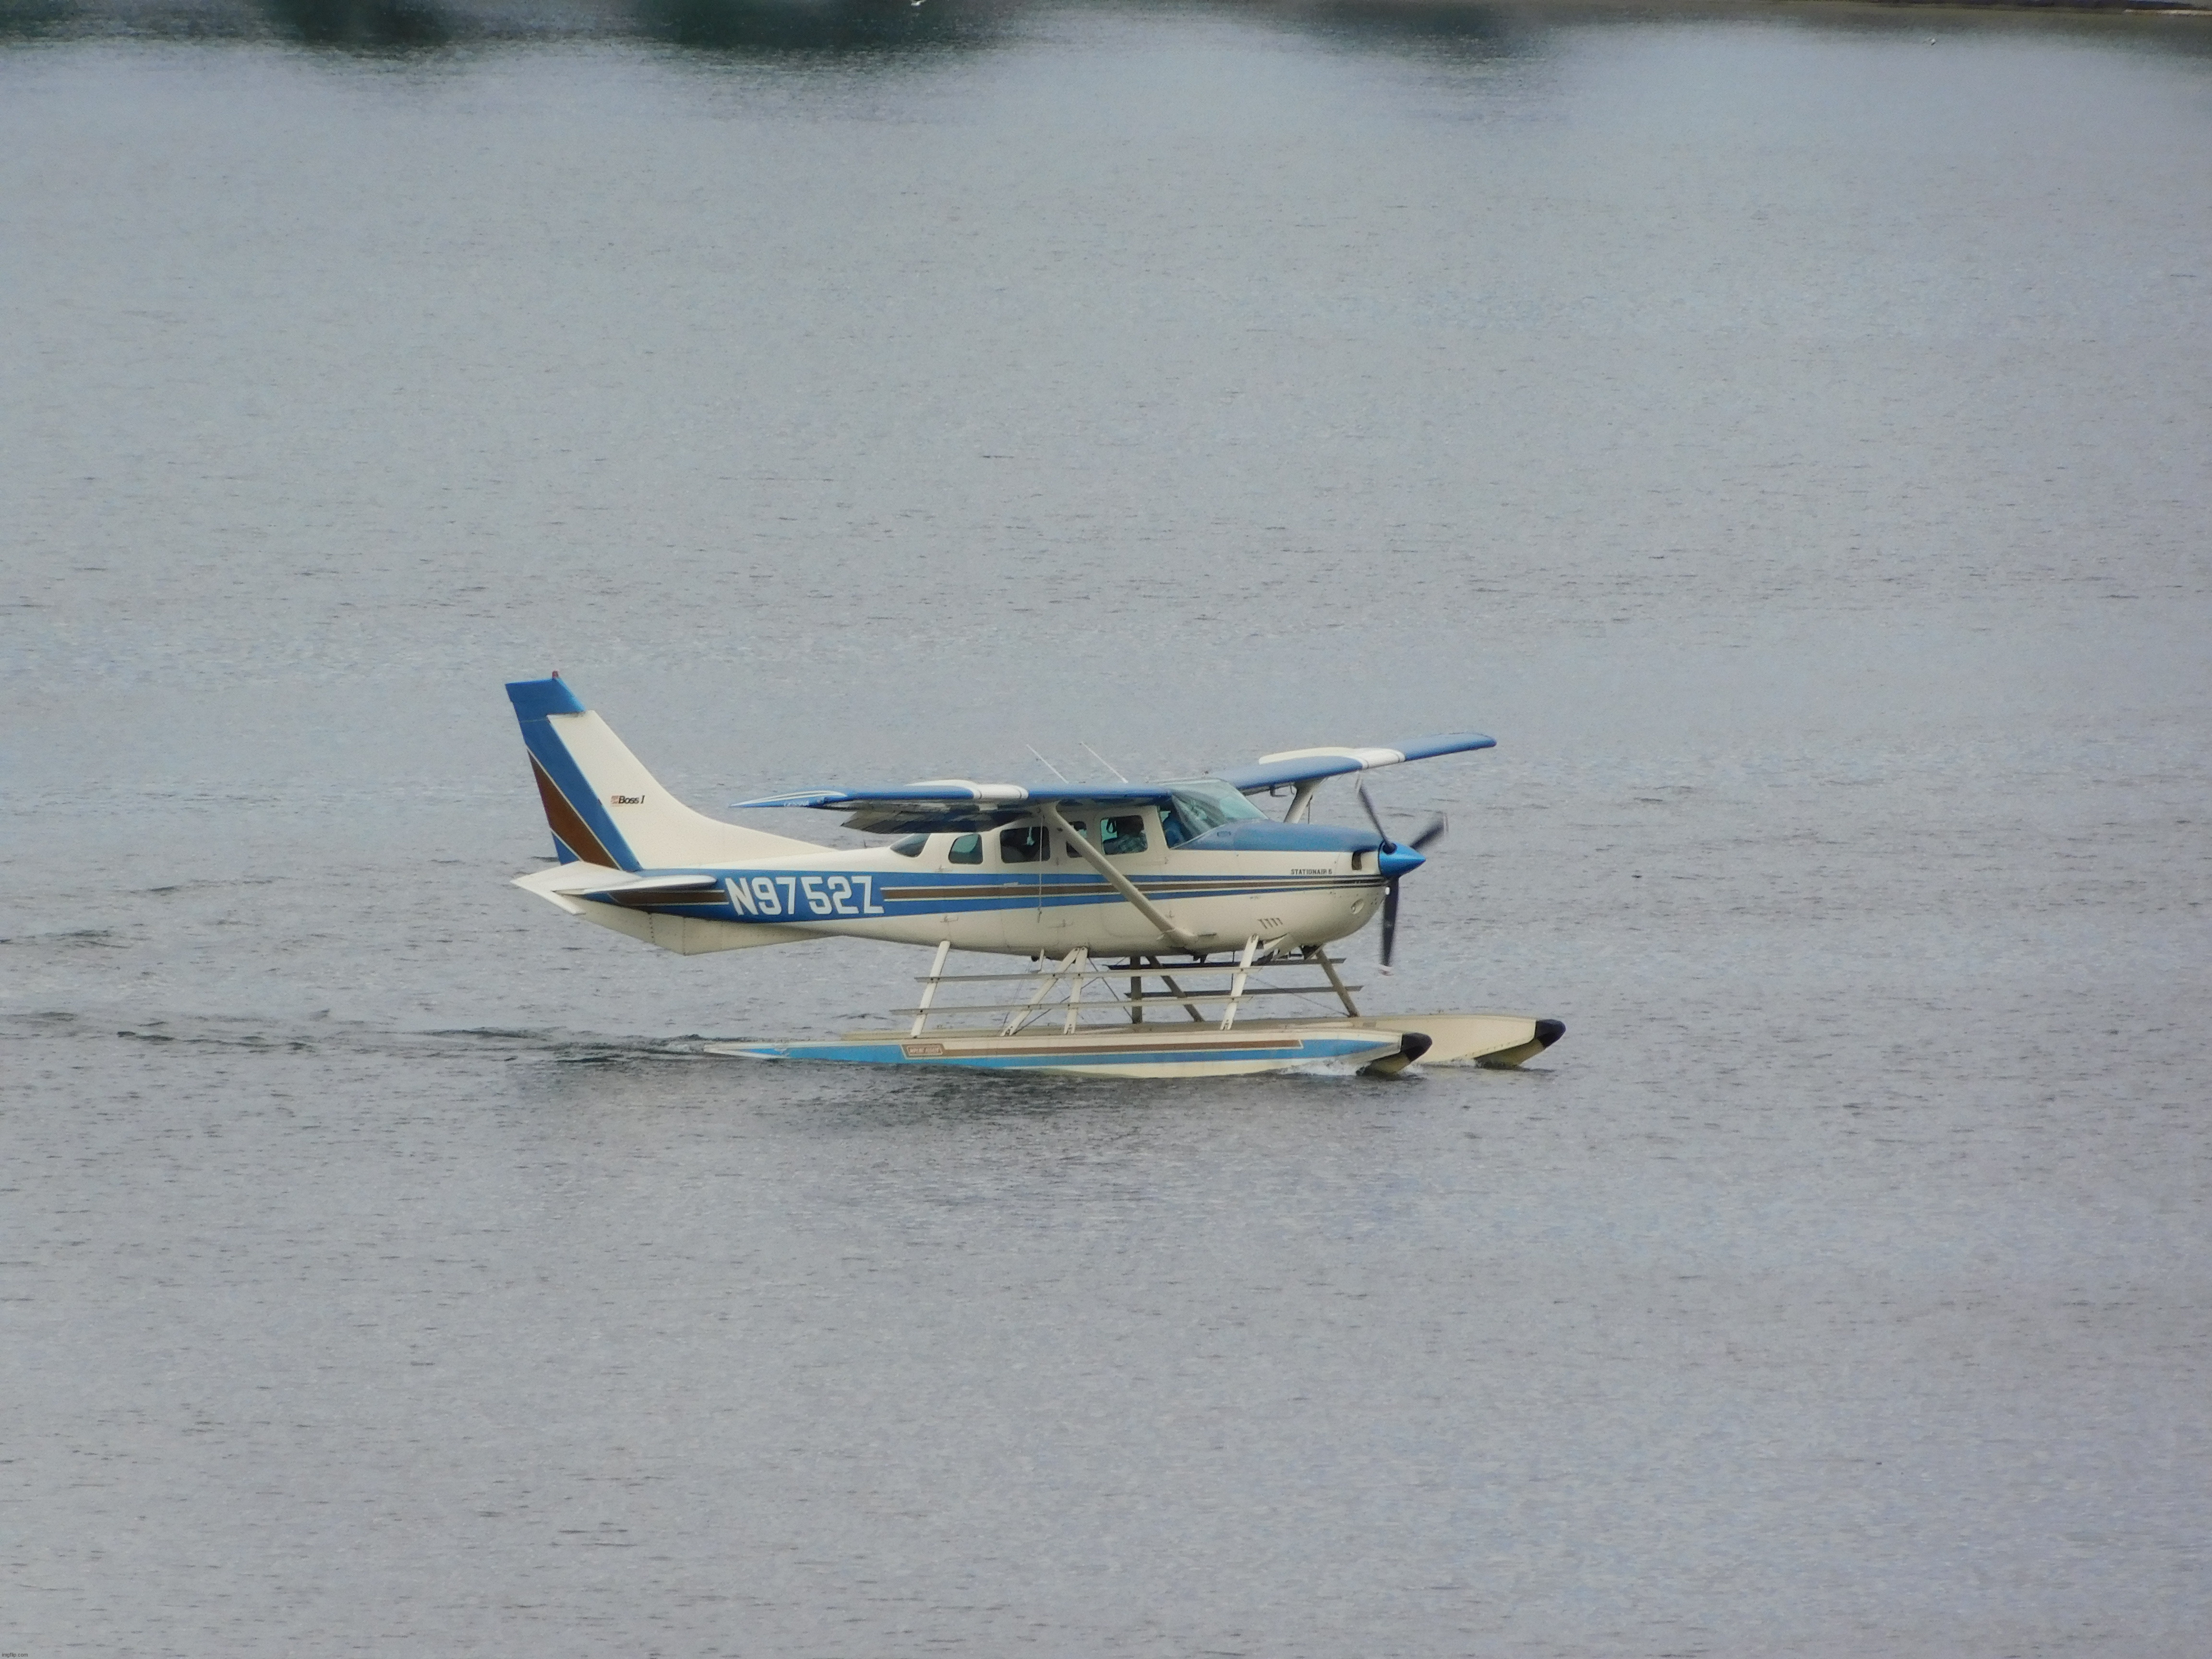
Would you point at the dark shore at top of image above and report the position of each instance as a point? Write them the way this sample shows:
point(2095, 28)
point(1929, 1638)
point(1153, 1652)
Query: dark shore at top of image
point(804, 28)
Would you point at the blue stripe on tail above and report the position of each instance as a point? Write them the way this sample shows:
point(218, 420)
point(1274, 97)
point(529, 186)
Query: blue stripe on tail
point(582, 829)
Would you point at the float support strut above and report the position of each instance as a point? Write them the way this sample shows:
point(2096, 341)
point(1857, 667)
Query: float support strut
point(1319, 953)
point(1237, 981)
point(929, 986)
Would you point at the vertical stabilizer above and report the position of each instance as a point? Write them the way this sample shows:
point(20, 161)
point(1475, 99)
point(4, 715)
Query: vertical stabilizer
point(605, 808)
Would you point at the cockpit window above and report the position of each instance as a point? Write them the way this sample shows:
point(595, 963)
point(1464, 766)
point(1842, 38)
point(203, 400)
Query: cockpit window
point(909, 847)
point(966, 849)
point(1203, 804)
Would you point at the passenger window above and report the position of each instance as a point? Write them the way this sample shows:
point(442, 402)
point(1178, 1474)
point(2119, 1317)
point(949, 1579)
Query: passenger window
point(909, 847)
point(1124, 834)
point(1024, 844)
point(966, 849)
point(1081, 828)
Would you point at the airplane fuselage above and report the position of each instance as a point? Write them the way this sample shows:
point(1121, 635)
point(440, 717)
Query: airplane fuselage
point(1020, 889)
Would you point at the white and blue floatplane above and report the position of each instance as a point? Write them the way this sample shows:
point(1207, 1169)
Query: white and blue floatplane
point(1155, 915)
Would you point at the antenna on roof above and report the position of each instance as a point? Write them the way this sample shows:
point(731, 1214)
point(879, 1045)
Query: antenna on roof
point(1103, 761)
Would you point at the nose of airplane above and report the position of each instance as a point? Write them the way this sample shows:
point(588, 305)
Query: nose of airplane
point(1397, 861)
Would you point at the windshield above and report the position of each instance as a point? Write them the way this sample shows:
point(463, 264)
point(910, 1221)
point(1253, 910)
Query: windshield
point(1205, 804)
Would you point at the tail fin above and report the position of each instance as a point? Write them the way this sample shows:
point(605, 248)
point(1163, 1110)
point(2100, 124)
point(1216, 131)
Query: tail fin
point(604, 807)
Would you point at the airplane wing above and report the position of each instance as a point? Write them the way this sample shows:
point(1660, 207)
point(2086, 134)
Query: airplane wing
point(961, 804)
point(1309, 765)
point(939, 804)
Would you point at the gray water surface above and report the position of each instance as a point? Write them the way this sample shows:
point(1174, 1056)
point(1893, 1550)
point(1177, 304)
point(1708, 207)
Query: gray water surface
point(1787, 430)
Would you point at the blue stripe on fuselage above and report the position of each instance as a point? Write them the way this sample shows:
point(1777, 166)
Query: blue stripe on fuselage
point(1267, 836)
point(828, 895)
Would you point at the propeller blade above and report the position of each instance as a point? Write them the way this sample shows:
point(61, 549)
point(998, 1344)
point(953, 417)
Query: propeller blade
point(1429, 836)
point(1390, 921)
point(1376, 819)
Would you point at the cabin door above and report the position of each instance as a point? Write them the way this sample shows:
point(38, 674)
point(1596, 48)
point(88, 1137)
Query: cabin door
point(1026, 850)
point(1131, 841)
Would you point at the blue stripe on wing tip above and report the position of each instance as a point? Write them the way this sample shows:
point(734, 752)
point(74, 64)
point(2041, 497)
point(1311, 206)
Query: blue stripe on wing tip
point(1451, 743)
point(1309, 766)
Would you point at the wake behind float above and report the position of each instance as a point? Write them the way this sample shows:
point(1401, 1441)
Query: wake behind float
point(1111, 889)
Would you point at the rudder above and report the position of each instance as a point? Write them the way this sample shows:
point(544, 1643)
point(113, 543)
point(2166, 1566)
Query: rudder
point(602, 805)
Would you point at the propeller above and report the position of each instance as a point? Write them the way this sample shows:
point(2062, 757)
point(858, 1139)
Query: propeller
point(1428, 837)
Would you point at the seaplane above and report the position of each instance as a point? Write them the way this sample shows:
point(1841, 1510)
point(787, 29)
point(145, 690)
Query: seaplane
point(1159, 919)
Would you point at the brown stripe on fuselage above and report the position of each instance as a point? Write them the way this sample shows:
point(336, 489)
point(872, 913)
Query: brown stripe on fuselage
point(567, 823)
point(1155, 888)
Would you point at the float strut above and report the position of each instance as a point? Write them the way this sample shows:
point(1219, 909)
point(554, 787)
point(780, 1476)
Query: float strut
point(1168, 980)
point(1319, 953)
point(929, 986)
point(1080, 958)
point(1023, 1012)
point(1237, 981)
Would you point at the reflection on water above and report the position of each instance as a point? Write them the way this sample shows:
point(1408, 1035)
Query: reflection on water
point(778, 28)
point(745, 28)
point(31, 20)
point(1445, 30)
point(771, 29)
point(761, 28)
point(781, 27)
point(366, 25)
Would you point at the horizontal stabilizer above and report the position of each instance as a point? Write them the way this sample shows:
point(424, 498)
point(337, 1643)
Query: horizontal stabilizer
point(634, 886)
point(576, 879)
